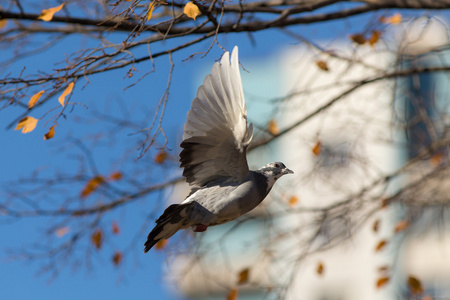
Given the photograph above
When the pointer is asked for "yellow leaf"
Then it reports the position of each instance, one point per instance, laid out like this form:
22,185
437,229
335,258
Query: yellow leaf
160,157
62,231
394,19
66,92
151,6
293,201
117,258
191,10
161,244
358,38
47,14
50,134
27,124
320,268
401,225
322,65
382,282
376,225
317,148
233,294
97,238
243,276
376,34
380,246
115,228
35,98
3,23
92,185
115,176
272,127
415,285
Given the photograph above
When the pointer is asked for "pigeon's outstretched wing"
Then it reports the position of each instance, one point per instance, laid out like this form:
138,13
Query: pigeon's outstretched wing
215,134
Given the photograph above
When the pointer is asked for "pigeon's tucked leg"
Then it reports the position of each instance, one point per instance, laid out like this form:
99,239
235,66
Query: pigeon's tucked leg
200,228
172,220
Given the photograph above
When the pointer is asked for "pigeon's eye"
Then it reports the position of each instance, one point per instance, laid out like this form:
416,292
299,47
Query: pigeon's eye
277,165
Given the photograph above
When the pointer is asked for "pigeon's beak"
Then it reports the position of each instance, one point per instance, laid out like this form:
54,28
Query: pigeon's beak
287,171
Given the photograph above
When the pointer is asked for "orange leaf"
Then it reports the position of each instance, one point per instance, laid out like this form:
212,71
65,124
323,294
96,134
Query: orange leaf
376,34
243,276
191,10
376,226
382,282
67,91
117,258
317,148
293,201
394,19
115,228
161,244
35,98
97,238
322,65
115,176
400,226
27,124
384,203
320,268
272,127
233,294
47,14
436,158
151,6
160,157
358,39
92,185
3,23
381,245
50,134
415,285
62,231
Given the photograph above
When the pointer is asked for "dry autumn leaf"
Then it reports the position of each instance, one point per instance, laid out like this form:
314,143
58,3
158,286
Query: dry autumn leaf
92,185
115,176
47,14
382,282
436,158
50,134
160,157
375,37
3,23
35,98
115,228
161,244
293,201
322,65
233,294
415,286
384,268
358,39
67,91
151,7
191,10
97,238
376,225
320,268
317,148
62,231
117,258
272,127
243,276
394,19
27,124
400,226
380,246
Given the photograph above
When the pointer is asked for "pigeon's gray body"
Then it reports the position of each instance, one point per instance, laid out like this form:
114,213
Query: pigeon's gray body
214,145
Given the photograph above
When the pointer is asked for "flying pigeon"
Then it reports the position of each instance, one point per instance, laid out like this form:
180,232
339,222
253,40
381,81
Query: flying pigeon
215,142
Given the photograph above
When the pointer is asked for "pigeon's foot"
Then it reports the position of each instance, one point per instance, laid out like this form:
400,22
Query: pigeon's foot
200,228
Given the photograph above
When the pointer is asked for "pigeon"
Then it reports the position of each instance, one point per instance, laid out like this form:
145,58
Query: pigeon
215,142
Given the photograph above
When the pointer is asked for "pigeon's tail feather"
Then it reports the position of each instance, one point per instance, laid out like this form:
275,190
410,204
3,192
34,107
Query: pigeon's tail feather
172,220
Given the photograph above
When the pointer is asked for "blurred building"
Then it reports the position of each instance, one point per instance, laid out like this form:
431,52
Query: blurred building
343,157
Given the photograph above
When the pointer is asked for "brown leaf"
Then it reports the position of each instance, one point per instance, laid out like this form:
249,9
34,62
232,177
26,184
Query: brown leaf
92,185
233,294
358,39
293,201
115,228
27,124
160,157
35,98
62,231
317,148
376,226
161,244
382,282
115,176
322,65
97,238
50,134
384,268
243,276
191,10
374,38
400,226
47,14
384,203
3,23
67,91
380,246
272,127
437,158
415,286
320,268
117,258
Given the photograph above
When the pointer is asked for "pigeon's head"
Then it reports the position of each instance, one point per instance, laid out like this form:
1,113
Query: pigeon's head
273,171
